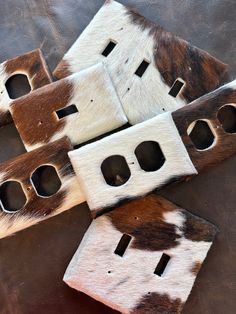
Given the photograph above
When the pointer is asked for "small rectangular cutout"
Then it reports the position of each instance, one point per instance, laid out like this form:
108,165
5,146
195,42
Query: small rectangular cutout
66,111
123,244
111,45
161,266
175,89
142,68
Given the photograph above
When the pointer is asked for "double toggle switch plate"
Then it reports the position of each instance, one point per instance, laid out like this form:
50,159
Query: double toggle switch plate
33,66
153,71
143,257
151,154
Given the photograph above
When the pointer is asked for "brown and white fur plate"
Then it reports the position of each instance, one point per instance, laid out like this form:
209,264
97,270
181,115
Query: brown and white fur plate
33,66
153,70
143,257
144,157
39,203
81,106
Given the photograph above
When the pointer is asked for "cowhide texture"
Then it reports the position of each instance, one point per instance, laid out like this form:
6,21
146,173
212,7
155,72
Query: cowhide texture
33,66
165,159
153,153
124,41
132,282
90,94
38,205
218,110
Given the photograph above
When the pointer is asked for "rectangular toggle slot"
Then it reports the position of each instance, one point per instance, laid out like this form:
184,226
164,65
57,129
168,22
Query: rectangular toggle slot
40,122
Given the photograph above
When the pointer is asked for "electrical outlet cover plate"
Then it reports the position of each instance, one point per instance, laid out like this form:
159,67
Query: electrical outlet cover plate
39,205
33,66
144,62
136,180
81,106
217,111
133,277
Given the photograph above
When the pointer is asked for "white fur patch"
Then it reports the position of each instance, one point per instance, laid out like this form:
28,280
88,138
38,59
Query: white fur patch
88,159
121,282
142,98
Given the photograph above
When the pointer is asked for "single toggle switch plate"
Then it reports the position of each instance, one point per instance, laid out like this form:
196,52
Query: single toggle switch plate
131,178
39,202
151,154
33,66
163,248
81,106
153,70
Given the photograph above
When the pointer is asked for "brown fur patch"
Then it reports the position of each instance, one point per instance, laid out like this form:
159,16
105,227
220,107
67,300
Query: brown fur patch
62,70
143,219
32,63
21,168
34,114
197,229
155,303
176,58
196,267
207,108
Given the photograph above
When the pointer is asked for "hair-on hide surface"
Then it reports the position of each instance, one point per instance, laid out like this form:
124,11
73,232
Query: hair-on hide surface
211,108
137,39
38,207
90,91
161,130
128,283
31,64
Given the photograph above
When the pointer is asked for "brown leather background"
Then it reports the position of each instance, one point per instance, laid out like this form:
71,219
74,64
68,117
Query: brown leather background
32,262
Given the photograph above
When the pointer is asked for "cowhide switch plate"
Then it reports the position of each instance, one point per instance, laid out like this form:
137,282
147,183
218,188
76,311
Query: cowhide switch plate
165,159
171,146
153,70
81,106
38,199
208,126
142,257
34,69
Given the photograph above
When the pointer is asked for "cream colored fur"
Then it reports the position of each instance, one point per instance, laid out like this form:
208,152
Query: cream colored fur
148,96
88,159
132,276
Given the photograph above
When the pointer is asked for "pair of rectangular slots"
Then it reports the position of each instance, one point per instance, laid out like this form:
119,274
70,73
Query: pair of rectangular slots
175,89
123,245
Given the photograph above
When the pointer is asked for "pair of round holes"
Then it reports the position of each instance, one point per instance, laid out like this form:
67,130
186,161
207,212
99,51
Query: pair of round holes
45,181
116,171
202,135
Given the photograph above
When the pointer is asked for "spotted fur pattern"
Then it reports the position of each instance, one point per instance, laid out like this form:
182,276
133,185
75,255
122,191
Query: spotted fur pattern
31,64
127,283
91,91
138,39
38,207
87,162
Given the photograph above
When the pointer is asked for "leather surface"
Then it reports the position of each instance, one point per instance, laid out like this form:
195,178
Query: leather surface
32,262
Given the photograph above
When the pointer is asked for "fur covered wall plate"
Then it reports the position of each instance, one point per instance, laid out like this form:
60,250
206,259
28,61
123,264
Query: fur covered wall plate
38,203
142,257
133,177
153,70
81,106
135,161
33,66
